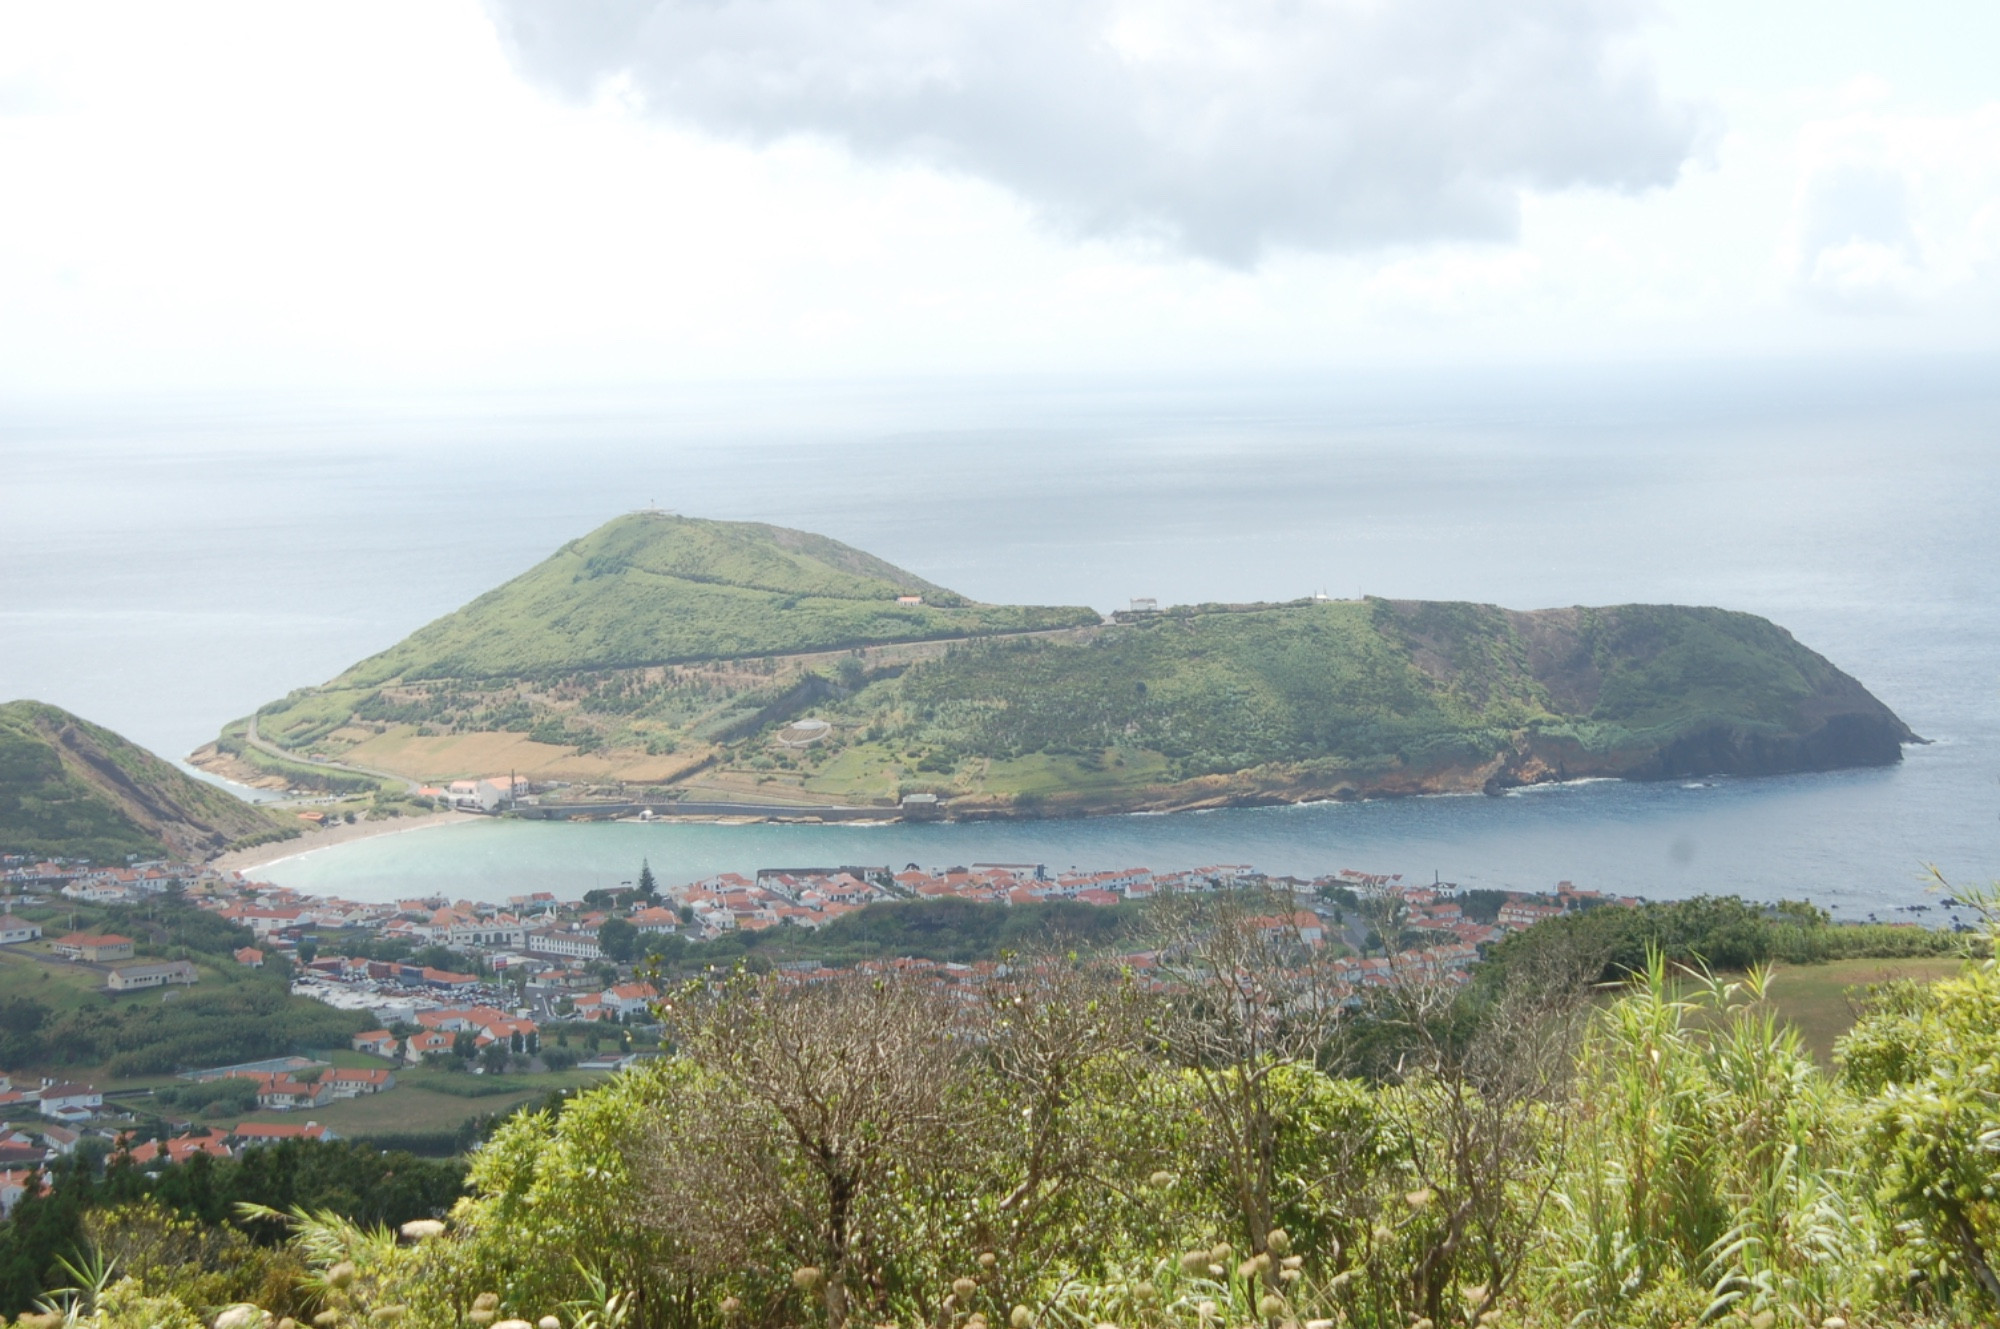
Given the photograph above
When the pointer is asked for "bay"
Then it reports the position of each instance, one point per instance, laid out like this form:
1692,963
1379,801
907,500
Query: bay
168,565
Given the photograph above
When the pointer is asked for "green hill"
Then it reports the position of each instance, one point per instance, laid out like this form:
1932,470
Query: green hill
747,662
652,588
74,789
1335,699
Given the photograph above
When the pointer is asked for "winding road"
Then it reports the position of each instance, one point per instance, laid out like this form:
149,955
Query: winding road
263,745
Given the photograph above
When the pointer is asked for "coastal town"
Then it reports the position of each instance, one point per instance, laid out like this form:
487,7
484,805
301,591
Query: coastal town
536,983
539,956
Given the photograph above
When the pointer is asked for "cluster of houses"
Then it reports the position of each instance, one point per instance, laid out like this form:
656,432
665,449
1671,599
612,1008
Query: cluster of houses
218,1142
24,1161
814,897
285,1084
86,883
57,1100
25,1156
67,1111
548,950
545,953
439,1030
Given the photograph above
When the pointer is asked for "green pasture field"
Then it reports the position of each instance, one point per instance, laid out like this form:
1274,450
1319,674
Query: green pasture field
413,1108
1822,1000
30,969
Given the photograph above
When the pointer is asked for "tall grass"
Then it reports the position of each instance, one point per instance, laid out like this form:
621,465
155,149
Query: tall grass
1714,1173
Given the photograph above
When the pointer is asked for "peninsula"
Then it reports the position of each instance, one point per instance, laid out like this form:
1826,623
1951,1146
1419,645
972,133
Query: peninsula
669,657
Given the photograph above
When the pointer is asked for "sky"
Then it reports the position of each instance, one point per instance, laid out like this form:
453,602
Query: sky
568,193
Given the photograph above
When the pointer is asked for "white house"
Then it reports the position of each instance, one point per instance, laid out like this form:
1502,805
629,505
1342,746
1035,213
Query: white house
575,945
69,1102
380,1042
348,1083
13,929
488,795
627,998
487,932
281,1093
14,1184
656,918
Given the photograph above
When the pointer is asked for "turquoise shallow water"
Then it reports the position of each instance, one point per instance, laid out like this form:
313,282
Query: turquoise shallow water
1764,838
167,566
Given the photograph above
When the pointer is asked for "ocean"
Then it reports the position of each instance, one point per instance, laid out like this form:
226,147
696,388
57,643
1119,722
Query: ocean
168,565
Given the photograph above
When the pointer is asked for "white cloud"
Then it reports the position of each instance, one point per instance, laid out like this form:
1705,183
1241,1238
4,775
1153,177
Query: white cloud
1894,212
1454,282
1224,127
367,193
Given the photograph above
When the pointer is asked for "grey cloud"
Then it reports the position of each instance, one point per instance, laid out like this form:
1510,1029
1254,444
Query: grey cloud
1225,127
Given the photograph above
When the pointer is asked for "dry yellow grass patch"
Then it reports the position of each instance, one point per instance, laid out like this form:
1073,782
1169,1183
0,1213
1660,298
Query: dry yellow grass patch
461,756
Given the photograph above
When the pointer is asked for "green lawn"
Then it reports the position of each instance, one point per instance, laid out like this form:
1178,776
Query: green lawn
31,969
409,1107
1820,998
1118,769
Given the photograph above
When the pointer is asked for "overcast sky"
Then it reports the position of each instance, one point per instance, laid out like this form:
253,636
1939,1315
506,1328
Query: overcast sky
561,193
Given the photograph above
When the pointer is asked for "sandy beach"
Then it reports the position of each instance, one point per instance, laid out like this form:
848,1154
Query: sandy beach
263,855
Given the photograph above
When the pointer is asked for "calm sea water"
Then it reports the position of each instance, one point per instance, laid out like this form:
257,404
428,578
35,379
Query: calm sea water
166,566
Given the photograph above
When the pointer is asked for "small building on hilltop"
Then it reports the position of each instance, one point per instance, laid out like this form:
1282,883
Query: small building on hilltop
93,949
16,929
133,977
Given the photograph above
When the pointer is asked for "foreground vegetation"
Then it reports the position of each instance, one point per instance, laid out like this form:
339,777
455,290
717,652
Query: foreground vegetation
1218,1139
186,1226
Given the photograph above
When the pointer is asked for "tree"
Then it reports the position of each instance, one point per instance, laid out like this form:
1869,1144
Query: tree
1483,1120
494,1056
648,888
1052,1024
617,939
813,1099
1249,999
464,1044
